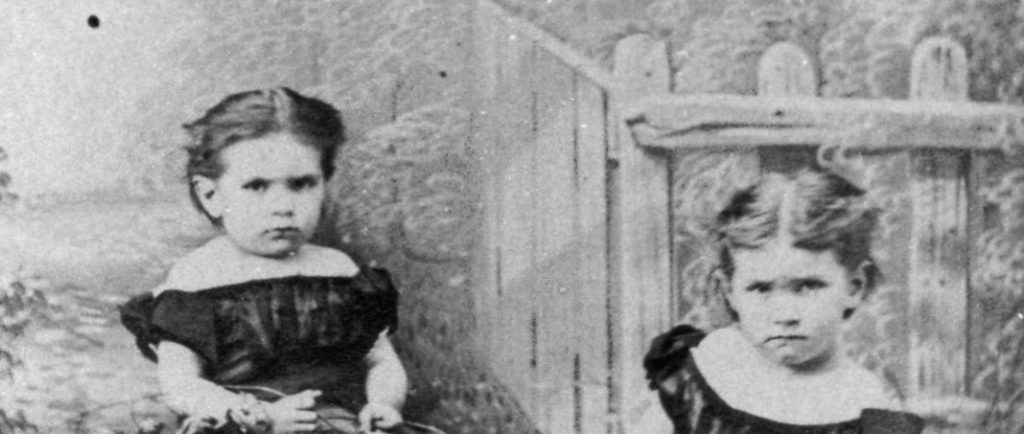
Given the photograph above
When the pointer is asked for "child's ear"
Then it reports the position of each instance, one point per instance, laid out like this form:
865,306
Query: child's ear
206,190
860,285
719,281
722,291
861,279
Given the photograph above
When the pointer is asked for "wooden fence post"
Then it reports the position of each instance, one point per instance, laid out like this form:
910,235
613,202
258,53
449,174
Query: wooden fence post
591,302
939,238
556,256
785,69
514,348
486,28
640,249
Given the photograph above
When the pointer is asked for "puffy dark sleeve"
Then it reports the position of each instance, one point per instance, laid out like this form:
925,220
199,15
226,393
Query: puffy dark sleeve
665,362
877,421
136,316
669,351
176,316
383,313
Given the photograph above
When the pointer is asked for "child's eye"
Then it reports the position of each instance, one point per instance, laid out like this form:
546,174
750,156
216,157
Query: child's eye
303,183
760,287
810,285
256,185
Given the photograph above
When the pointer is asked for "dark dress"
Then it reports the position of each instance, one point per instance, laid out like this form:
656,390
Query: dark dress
287,334
695,408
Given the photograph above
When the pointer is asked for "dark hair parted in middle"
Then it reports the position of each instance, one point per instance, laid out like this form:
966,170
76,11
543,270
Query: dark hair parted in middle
255,114
817,210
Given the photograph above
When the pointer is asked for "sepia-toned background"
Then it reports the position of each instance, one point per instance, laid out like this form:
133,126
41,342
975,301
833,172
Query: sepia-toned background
93,208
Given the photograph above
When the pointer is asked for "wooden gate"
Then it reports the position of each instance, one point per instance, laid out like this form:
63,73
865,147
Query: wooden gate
596,190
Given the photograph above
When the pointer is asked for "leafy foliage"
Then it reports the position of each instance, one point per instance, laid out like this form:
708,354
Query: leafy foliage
1000,285
16,423
990,31
30,304
702,184
863,46
6,195
405,188
722,51
21,301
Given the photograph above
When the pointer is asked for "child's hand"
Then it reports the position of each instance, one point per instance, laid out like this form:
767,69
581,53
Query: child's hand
376,417
292,414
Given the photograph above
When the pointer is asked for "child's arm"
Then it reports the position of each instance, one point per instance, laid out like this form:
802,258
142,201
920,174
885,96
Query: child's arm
386,387
180,373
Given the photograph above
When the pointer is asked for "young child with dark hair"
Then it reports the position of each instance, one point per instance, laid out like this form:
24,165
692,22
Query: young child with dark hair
257,330
795,263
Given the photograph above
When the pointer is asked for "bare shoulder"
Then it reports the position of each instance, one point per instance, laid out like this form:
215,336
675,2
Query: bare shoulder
328,261
217,263
868,389
194,270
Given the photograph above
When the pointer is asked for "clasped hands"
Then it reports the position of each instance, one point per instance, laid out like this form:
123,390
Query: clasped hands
294,414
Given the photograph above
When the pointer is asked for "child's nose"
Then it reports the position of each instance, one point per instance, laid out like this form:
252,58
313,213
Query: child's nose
281,201
785,309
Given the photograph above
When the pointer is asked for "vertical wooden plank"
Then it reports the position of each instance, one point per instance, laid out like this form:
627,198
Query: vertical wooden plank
938,70
557,256
514,129
590,310
505,325
484,138
996,333
785,69
939,243
639,236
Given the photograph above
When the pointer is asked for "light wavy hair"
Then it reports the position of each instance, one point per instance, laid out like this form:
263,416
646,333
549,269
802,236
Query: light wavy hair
813,209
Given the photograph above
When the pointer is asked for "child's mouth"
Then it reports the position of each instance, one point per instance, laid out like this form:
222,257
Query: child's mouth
786,338
283,232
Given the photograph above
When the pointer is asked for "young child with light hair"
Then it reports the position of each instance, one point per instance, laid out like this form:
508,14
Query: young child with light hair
795,263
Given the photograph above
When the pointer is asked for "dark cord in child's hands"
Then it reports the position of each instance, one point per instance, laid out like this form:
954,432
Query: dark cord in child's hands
319,417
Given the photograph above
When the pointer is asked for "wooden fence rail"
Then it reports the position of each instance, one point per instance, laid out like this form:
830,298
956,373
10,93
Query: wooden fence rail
592,181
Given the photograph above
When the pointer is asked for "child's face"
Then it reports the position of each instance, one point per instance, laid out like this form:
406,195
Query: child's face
791,301
270,194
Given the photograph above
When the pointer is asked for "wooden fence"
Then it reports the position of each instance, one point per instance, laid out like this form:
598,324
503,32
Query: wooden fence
589,250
